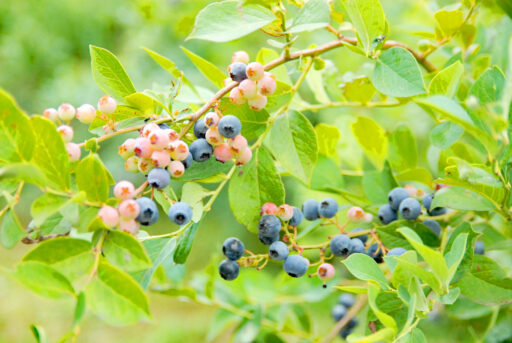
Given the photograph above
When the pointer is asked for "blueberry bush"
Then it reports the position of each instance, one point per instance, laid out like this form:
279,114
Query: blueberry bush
406,228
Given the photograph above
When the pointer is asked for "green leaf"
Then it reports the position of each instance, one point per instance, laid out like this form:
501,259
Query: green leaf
360,89
185,244
26,172
489,87
52,157
11,231
293,142
46,205
257,183
43,279
445,134
193,194
313,15
16,134
447,80
391,237
449,22
39,333
109,74
70,256
377,184
415,336
506,6
208,69
406,267
116,297
201,172
326,175
402,149
141,101
397,74
372,138
465,264
456,253
93,178
365,268
328,137
460,198
486,283
253,122
316,84
179,292
159,250
79,309
227,20
421,175
125,251
369,20
373,292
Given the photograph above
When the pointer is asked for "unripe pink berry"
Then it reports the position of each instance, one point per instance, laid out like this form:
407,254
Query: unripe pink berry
238,144
51,113
258,102
211,119
179,150
248,88
107,104
159,139
255,71
66,112
109,216
176,169
358,215
66,132
129,209
143,147
73,151
223,153
326,272
160,158
144,165
132,164
240,56
124,190
173,135
285,212
244,157
213,136
148,128
236,97
86,113
126,149
131,226
268,208
267,85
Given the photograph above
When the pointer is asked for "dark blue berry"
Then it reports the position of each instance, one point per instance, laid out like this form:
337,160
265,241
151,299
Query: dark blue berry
268,240
410,209
233,248
363,238
269,225
387,214
201,150
346,299
296,265
328,208
297,217
278,251
341,245
229,126
339,311
396,252
357,246
148,214
237,71
310,209
229,270
180,213
479,248
396,196
427,201
159,178
375,252
433,225
200,128
188,161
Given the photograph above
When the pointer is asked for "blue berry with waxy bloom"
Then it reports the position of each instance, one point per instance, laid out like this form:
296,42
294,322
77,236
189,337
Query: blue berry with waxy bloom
233,248
296,265
357,246
269,225
268,240
427,202
201,150
187,162
396,196
363,238
159,178
339,311
148,213
229,126
229,270
396,252
180,213
433,225
346,299
296,217
387,214
237,71
347,330
341,245
328,208
310,209
278,251
200,128
479,248
375,252
410,209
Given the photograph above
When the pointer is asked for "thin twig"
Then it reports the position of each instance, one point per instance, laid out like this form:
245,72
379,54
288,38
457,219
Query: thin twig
354,310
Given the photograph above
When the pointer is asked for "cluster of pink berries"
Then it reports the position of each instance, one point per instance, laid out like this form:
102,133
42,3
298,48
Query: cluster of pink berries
357,215
86,114
255,83
123,217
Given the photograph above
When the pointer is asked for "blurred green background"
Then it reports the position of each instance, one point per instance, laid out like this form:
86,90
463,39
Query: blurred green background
44,61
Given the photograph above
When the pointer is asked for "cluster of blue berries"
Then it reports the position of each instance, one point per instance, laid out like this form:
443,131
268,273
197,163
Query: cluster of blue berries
233,249
345,302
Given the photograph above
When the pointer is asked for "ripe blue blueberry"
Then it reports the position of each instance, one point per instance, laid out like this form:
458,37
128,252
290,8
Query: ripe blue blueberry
387,214
269,225
278,251
410,209
328,208
229,270
268,240
346,299
396,252
347,330
296,218
363,238
233,248
237,71
427,201
339,311
201,150
200,128
296,265
159,178
310,209
229,126
148,214
357,246
375,252
396,196
187,162
341,245
433,225
163,126
479,248
180,213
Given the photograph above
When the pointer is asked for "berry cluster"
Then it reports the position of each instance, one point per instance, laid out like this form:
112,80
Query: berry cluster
345,302
86,113
255,84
